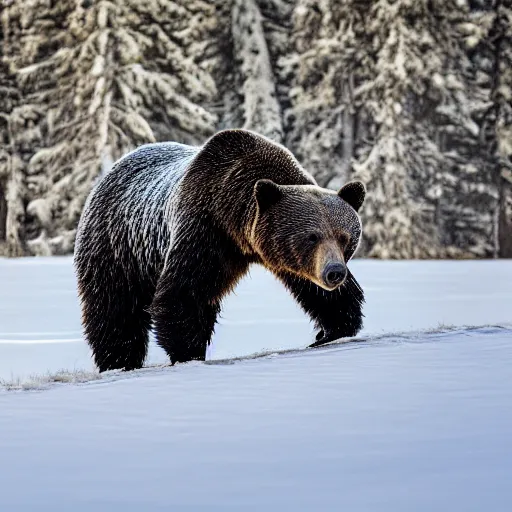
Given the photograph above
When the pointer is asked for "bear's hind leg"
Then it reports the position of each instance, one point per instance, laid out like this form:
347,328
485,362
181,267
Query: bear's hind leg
115,320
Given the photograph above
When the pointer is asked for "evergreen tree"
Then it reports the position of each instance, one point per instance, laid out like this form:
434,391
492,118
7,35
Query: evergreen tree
113,77
325,64
412,96
502,98
421,98
17,129
260,109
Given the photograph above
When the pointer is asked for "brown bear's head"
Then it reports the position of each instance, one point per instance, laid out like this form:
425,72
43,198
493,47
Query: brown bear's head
307,230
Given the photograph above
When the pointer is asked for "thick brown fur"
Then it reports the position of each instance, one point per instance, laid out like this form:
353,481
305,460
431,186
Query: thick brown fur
171,229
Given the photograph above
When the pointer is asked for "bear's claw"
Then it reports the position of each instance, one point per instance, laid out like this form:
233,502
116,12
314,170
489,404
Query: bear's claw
323,337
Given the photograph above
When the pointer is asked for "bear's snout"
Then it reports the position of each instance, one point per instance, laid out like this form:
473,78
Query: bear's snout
334,274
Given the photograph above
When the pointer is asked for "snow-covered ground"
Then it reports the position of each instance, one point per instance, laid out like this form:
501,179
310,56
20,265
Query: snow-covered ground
40,316
420,421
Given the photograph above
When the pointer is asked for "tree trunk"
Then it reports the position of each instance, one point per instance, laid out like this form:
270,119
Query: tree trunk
3,214
261,111
505,218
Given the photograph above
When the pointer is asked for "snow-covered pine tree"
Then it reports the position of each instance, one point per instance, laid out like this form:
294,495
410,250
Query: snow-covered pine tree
8,100
502,98
259,108
325,63
413,96
11,206
422,98
276,18
488,39
28,35
7,91
20,26
116,75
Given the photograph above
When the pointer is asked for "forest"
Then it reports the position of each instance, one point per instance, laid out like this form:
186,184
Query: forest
413,97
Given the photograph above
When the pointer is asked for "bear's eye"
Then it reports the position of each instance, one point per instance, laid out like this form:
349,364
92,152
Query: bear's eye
344,239
313,238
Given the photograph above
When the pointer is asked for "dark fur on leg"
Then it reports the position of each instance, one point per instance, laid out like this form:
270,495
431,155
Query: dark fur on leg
185,310
184,323
115,319
338,314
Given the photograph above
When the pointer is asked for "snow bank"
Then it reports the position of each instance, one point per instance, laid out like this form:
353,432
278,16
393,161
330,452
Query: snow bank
417,425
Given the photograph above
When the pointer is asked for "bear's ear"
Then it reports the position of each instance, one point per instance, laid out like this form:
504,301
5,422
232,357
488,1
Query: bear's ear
267,193
353,193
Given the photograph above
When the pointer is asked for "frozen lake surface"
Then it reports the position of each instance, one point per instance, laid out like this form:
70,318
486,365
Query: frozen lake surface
419,421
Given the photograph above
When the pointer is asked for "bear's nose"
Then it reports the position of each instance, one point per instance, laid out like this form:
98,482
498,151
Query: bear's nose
334,274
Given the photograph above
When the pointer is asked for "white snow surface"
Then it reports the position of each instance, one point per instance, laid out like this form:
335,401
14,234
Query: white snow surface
40,327
419,421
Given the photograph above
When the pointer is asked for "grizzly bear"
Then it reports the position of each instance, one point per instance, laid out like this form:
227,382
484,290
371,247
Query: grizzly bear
169,231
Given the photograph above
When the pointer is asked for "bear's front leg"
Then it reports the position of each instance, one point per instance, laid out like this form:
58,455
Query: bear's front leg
338,313
183,322
189,291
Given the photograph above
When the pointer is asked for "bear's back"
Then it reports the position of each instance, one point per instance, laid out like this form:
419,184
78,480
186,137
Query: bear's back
132,204
159,163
